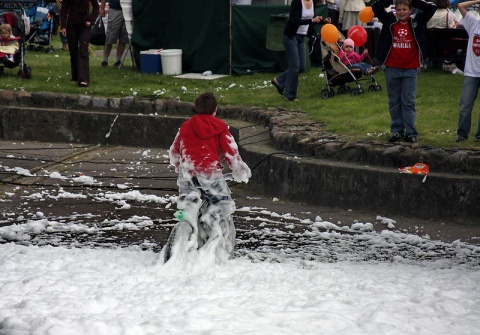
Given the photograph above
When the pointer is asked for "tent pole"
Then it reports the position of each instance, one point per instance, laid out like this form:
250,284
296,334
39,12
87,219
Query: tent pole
230,42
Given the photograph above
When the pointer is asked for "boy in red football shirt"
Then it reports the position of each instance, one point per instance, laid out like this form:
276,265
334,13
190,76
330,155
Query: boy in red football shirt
196,153
402,49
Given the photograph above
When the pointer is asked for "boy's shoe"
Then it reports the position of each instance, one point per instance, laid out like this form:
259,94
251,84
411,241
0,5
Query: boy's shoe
461,139
117,63
277,86
395,136
104,63
411,139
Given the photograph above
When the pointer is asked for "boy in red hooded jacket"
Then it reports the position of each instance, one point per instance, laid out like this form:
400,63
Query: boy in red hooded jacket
196,154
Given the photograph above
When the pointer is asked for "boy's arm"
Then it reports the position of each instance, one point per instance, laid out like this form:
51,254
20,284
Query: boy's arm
379,8
427,7
174,153
240,170
462,6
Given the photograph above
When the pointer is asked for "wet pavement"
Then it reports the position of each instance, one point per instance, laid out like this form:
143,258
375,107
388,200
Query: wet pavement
111,196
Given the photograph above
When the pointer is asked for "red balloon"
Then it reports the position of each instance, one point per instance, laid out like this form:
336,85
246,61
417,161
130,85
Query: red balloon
358,34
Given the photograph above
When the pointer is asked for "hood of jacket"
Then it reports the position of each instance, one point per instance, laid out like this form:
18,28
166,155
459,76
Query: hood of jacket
206,125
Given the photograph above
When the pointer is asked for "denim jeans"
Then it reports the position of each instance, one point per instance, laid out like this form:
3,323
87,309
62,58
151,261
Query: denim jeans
295,51
360,65
401,88
469,94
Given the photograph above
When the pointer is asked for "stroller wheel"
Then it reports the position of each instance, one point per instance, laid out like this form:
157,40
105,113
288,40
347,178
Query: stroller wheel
356,92
325,93
28,72
21,74
371,88
342,90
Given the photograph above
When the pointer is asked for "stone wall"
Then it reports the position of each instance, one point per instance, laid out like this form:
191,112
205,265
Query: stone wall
290,131
290,156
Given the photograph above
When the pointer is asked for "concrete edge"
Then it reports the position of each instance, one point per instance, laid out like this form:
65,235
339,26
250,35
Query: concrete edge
324,170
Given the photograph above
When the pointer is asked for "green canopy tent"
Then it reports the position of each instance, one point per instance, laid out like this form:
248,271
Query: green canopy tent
212,34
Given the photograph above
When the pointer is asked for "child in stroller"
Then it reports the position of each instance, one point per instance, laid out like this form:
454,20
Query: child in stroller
338,74
352,59
8,44
12,47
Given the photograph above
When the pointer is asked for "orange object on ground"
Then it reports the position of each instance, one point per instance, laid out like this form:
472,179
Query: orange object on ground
418,168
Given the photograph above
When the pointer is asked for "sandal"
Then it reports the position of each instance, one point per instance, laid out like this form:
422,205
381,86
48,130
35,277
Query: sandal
277,86
83,84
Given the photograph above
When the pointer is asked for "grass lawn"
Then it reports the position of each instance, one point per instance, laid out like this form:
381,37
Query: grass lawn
363,117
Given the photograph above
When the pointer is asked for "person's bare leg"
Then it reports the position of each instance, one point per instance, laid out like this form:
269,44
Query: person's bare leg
107,49
120,50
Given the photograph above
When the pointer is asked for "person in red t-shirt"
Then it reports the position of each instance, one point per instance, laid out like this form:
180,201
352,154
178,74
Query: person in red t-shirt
196,153
402,50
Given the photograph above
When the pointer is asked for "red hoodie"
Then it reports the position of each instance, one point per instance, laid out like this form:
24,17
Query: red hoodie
200,143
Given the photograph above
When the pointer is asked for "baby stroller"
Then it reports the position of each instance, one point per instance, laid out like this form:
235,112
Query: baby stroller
15,20
41,28
336,73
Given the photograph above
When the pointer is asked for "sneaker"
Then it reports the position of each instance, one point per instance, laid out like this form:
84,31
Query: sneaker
395,136
411,139
277,86
371,70
104,63
117,63
457,71
461,139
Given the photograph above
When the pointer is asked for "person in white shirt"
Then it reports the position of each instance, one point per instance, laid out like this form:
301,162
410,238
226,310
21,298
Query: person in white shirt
471,82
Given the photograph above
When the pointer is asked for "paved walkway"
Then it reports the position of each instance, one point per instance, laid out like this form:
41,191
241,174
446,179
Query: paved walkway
27,186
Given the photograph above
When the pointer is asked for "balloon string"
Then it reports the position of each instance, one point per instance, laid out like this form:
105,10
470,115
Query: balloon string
370,58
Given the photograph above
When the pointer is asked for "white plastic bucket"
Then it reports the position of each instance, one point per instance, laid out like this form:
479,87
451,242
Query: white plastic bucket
171,61
127,11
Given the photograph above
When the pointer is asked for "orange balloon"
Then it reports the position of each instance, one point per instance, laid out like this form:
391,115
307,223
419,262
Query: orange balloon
366,15
329,33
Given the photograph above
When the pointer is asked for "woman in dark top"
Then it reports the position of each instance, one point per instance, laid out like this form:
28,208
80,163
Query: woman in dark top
300,24
76,17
